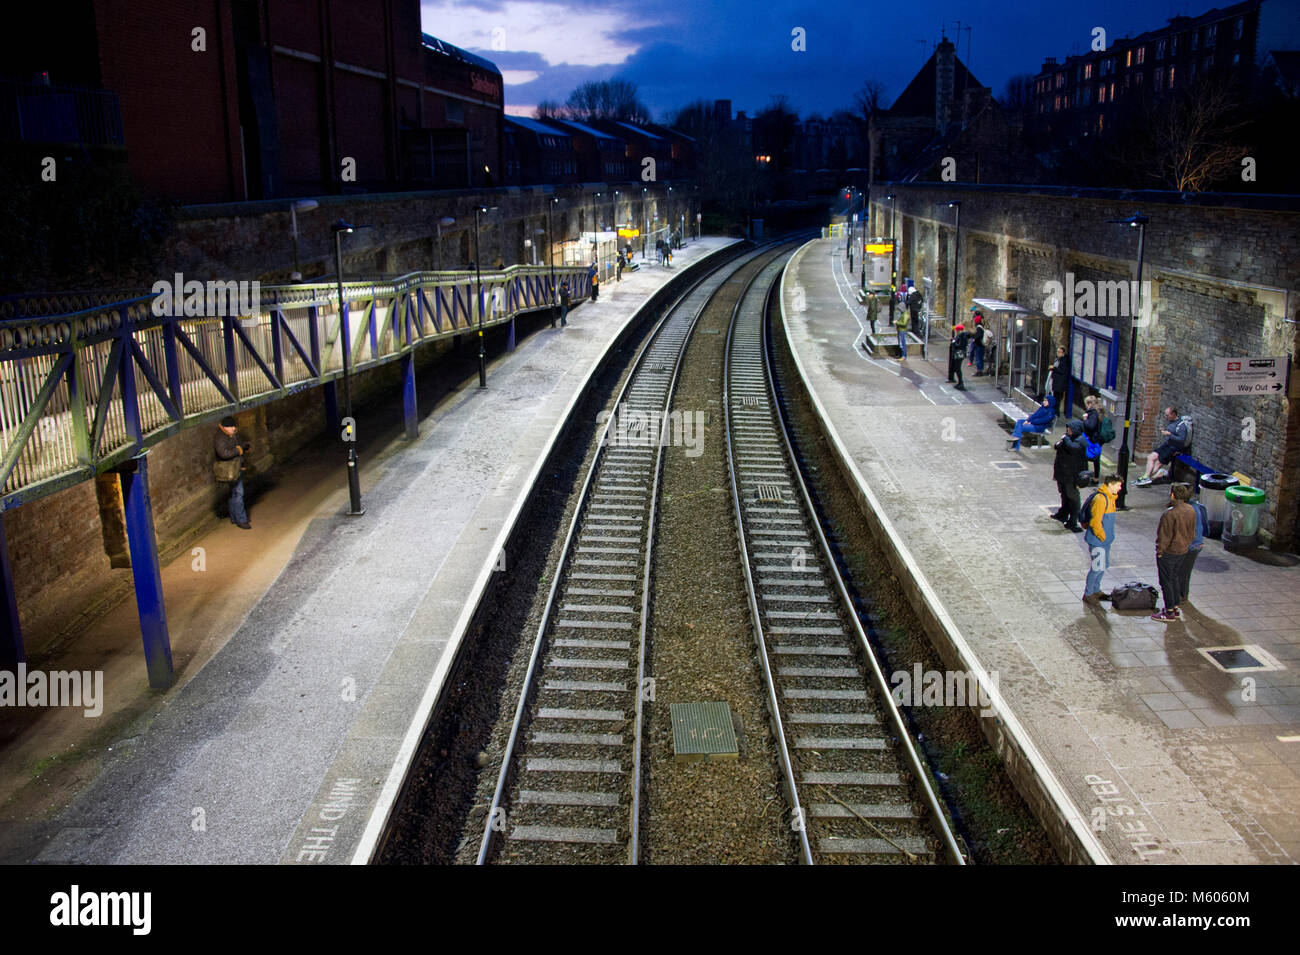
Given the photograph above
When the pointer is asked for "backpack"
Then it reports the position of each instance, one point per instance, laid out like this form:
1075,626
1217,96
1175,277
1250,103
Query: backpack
1105,431
1187,420
1094,449
1085,512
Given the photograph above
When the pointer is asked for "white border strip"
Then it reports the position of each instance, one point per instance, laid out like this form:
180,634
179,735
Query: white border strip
419,723
1011,724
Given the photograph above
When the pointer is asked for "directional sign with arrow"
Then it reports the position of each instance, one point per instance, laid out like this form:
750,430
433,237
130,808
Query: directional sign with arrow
1249,376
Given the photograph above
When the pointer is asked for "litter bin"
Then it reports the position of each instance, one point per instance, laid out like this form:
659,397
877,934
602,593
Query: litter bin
1242,526
1216,505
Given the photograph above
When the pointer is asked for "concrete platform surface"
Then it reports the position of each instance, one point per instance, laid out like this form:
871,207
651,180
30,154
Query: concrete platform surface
281,745
1152,753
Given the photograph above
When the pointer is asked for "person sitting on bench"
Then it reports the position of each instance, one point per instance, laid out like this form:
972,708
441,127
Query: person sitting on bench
1036,423
1175,443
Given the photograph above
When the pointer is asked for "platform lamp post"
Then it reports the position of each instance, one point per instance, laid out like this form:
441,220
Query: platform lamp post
478,294
614,223
595,243
893,259
444,221
354,477
644,224
295,207
1139,222
955,205
550,254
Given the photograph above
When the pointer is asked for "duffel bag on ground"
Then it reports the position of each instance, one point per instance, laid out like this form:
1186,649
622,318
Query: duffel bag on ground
1134,595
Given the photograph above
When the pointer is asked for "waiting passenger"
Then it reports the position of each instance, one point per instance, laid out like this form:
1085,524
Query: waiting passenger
1071,459
1036,423
1175,443
229,468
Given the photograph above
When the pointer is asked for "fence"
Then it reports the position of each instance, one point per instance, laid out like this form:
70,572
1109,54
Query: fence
83,390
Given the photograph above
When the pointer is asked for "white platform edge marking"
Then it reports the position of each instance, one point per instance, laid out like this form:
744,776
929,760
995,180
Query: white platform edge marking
415,732
999,705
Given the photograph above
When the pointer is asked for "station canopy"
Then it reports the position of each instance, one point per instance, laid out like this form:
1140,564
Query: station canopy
997,305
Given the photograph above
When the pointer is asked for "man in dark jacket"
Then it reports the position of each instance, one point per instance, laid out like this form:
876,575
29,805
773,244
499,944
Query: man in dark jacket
1175,533
957,354
1060,379
1071,458
227,447
914,301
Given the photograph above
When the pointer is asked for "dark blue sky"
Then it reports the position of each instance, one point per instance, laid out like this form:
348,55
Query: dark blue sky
741,49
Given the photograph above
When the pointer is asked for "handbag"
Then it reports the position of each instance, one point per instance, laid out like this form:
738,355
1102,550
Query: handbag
1134,595
1083,479
226,471
1094,449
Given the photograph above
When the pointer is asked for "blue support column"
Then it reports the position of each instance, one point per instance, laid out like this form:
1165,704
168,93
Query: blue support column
146,572
510,337
11,634
332,424
409,406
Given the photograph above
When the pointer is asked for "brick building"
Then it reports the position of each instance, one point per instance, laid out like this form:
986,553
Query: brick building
254,99
1079,95
1224,274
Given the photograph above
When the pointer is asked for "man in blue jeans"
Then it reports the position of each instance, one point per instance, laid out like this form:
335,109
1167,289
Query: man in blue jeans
1036,423
227,447
1098,520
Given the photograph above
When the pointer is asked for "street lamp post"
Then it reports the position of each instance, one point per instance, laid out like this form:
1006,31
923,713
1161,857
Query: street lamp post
893,259
1140,223
956,256
644,224
354,479
595,242
295,207
550,252
478,281
445,220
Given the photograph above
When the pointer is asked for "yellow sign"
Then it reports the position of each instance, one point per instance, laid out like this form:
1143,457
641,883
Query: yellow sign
879,248
629,233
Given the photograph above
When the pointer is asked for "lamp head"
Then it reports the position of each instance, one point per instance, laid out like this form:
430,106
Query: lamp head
305,205
446,220
342,226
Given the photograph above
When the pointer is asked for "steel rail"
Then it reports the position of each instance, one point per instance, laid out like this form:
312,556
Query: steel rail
774,709
495,825
938,817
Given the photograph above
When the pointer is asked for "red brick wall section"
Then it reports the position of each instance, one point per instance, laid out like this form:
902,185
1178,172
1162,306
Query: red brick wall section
179,108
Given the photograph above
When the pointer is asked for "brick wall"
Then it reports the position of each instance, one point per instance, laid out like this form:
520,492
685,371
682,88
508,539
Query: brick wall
1218,274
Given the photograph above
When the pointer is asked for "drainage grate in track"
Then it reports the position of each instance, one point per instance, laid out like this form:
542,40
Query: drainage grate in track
1009,465
1245,658
769,493
749,401
703,731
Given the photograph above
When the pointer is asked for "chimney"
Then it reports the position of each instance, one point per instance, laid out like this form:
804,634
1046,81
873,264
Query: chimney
1049,64
944,59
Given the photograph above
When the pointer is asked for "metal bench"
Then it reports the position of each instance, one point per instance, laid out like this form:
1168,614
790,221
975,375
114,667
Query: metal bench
1013,413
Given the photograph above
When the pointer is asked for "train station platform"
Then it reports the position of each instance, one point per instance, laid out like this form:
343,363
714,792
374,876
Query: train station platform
1131,740
317,643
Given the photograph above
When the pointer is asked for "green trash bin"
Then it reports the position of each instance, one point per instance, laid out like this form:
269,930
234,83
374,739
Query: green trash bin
1241,529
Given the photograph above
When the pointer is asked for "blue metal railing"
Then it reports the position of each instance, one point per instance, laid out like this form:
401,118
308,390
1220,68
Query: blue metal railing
32,111
84,390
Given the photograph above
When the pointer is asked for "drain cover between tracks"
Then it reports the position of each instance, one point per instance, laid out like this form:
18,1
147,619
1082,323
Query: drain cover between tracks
770,493
703,731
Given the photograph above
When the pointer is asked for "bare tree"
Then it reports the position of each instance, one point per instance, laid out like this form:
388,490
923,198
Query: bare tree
548,109
869,99
1192,139
607,99
1017,95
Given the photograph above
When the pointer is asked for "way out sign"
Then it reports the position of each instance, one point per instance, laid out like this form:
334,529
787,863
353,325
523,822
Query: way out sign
1250,376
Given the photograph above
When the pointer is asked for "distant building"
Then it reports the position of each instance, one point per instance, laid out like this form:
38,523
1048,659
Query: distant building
538,153
942,96
1079,95
601,155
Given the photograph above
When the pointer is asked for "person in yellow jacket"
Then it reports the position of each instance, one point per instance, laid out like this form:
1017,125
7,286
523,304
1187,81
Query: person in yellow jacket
1098,517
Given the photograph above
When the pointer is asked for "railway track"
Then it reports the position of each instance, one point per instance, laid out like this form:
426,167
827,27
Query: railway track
570,780
859,790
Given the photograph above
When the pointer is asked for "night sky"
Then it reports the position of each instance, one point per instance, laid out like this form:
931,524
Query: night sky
741,49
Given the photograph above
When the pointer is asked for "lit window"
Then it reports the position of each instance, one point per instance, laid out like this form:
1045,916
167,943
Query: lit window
1112,92
1128,58
1141,55
1171,77
1087,71
1101,93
